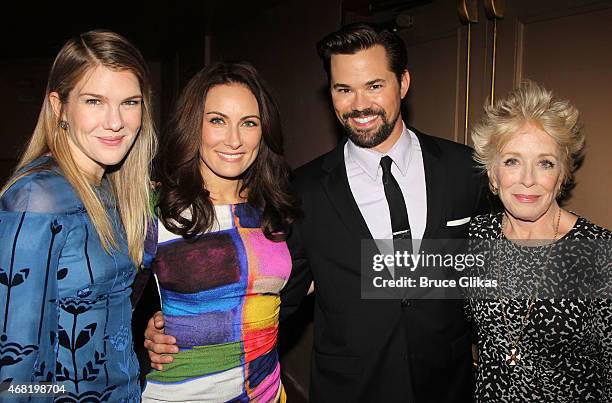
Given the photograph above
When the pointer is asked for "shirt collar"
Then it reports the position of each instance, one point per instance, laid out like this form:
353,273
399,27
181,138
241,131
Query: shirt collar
369,159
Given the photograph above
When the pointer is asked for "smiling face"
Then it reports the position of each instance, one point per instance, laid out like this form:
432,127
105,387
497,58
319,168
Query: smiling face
104,114
367,97
231,132
528,174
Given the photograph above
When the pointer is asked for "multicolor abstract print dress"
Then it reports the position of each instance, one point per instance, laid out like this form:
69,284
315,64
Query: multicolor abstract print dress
65,312
220,299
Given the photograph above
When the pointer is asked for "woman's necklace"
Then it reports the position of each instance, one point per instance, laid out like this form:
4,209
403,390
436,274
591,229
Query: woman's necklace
513,355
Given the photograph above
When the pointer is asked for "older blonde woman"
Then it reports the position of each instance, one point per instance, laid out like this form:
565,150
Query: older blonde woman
73,223
531,348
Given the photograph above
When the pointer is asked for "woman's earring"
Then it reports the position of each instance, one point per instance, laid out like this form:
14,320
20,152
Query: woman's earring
493,189
559,192
63,125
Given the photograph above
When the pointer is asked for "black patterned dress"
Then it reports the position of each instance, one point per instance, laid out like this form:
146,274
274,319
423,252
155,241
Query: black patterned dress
565,346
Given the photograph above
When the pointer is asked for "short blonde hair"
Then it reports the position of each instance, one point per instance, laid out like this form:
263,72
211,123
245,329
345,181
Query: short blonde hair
530,103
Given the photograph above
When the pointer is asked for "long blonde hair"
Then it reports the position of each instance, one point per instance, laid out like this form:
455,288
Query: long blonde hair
130,183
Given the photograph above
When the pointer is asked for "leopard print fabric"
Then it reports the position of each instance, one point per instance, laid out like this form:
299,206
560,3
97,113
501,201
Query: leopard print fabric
566,345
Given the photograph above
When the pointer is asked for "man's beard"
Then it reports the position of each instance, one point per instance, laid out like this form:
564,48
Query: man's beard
368,138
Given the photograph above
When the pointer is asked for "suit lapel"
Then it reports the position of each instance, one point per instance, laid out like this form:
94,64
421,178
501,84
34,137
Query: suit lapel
337,188
435,182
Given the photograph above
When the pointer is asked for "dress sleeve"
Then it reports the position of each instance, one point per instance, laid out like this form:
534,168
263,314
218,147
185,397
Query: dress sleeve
150,251
297,286
603,315
603,330
30,247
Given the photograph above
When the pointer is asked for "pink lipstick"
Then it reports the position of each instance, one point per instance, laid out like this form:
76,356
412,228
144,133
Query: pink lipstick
111,141
526,198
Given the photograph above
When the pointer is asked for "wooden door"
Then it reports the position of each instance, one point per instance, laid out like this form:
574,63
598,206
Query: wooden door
567,47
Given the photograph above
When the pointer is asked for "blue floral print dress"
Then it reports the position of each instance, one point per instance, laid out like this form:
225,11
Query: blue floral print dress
65,312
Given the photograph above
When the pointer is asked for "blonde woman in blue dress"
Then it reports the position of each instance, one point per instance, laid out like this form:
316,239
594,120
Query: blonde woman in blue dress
73,223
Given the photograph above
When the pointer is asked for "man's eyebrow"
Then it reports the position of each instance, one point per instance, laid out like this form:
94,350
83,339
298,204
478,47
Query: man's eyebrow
340,85
375,81
367,84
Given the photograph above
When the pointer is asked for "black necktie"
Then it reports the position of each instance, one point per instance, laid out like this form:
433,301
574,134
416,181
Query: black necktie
395,199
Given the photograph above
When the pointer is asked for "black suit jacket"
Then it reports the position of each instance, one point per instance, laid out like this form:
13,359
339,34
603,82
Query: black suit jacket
380,350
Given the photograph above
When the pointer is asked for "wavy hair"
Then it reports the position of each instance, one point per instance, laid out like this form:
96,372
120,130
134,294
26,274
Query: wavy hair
359,36
265,182
530,103
130,181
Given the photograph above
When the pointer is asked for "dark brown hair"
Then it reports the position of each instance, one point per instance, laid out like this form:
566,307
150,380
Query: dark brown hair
353,38
266,181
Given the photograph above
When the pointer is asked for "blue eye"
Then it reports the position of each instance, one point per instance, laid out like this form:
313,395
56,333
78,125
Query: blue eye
510,162
547,164
216,121
93,101
250,123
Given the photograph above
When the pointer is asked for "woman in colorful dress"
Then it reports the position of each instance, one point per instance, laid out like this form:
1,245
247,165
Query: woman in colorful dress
220,258
73,222
545,333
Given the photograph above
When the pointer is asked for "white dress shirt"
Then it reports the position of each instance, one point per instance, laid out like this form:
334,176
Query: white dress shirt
365,180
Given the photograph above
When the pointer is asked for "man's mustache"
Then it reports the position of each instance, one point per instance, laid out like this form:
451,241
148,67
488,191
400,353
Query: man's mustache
362,113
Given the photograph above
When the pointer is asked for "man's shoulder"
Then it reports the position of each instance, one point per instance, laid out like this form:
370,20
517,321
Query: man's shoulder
446,148
311,167
311,172
456,162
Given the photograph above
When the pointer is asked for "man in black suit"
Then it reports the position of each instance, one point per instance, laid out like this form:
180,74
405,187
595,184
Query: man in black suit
377,350
367,350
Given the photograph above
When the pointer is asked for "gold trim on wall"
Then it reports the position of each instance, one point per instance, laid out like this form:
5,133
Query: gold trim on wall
468,14
468,11
493,62
495,10
467,82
